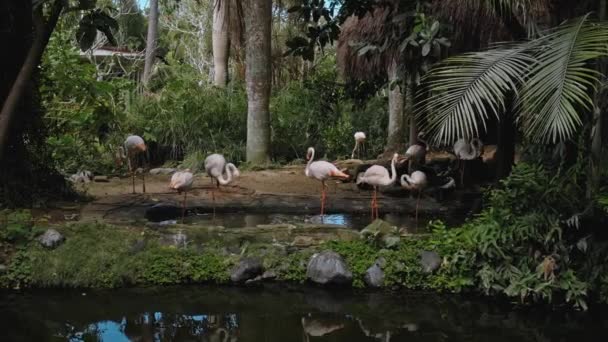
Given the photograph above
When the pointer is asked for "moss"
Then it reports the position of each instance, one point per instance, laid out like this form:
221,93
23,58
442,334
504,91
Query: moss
105,256
102,256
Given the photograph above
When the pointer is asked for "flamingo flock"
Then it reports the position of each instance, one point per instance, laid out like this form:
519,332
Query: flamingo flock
222,173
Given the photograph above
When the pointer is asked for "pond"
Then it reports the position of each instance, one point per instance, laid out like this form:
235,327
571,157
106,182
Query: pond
353,221
281,314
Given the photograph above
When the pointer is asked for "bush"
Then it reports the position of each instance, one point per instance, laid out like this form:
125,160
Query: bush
83,111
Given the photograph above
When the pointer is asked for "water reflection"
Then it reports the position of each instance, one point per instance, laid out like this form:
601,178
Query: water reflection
281,314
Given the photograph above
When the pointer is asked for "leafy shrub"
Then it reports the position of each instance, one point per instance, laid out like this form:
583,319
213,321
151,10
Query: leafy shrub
529,238
17,226
82,109
191,117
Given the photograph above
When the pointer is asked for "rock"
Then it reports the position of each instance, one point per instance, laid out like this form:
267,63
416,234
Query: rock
101,179
248,268
382,231
3,269
374,276
269,275
430,261
303,241
328,268
178,240
51,238
162,171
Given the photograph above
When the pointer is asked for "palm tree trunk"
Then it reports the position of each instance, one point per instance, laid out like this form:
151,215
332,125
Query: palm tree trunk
221,42
258,75
151,40
395,137
409,108
43,31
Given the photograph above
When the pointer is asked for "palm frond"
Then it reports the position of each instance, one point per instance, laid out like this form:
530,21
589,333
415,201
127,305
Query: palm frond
464,91
562,81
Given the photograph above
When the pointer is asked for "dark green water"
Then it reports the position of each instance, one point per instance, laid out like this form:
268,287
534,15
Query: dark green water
280,314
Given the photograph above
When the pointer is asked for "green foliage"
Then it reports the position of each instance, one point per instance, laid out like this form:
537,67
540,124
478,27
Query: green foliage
101,256
293,267
529,238
17,226
189,117
82,109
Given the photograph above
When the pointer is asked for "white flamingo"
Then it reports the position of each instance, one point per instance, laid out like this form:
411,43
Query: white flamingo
182,182
322,171
465,150
417,181
134,145
216,167
376,176
416,153
359,141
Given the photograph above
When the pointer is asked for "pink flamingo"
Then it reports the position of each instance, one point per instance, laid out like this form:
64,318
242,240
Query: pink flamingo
417,181
133,146
321,171
359,141
376,176
182,182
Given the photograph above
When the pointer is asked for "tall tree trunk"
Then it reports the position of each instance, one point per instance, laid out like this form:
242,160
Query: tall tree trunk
409,109
151,41
43,31
221,42
596,132
395,139
258,75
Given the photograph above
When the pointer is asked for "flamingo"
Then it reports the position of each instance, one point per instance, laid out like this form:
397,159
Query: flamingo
417,181
376,176
182,182
416,153
321,171
215,166
359,141
134,145
464,151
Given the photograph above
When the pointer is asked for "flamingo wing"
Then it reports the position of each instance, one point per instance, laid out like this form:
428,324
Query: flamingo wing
214,165
375,175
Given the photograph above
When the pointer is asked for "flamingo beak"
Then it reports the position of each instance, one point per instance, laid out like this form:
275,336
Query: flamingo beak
401,160
142,147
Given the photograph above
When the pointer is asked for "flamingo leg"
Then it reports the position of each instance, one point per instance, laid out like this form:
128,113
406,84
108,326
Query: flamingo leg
184,206
323,196
462,165
133,180
376,206
417,202
143,177
213,198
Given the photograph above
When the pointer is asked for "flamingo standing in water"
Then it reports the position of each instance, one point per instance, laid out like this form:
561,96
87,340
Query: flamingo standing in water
359,141
182,182
376,176
417,181
134,146
321,171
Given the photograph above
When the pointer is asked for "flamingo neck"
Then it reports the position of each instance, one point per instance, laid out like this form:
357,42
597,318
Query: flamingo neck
394,172
226,180
312,156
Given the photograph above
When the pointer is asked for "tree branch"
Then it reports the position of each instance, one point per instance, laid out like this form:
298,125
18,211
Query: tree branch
43,31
